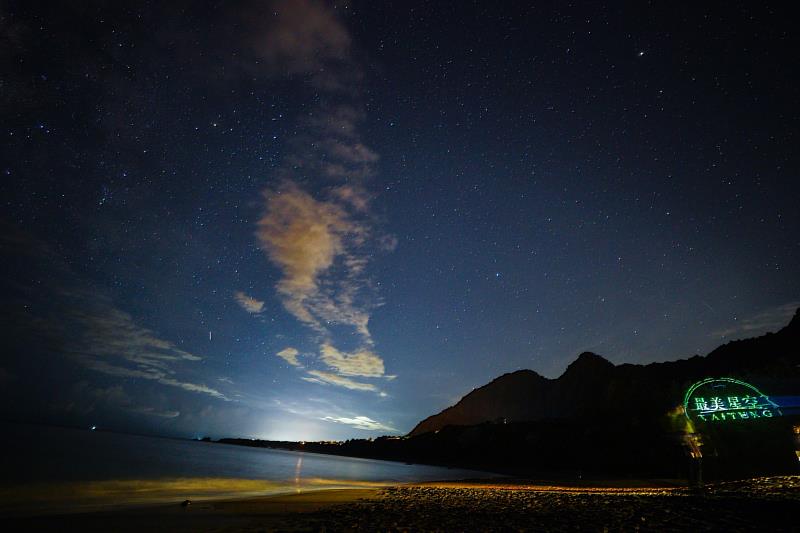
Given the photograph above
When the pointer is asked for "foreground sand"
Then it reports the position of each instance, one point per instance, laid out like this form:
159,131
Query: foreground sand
764,504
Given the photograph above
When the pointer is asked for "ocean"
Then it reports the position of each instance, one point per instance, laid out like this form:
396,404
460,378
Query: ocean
50,469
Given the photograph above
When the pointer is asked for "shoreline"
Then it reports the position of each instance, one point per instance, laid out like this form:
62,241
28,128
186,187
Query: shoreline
121,496
234,514
469,504
106,496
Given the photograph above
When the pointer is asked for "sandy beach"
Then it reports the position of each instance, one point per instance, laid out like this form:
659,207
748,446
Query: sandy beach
752,505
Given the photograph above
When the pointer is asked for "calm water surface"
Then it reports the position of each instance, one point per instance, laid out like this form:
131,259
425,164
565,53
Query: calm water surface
45,468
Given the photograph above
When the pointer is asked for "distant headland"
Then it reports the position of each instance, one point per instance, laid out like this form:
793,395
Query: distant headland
605,419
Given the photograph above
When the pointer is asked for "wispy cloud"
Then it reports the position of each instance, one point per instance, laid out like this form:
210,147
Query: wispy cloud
768,320
302,38
113,333
74,318
360,422
248,303
322,237
152,411
318,376
115,396
290,356
114,344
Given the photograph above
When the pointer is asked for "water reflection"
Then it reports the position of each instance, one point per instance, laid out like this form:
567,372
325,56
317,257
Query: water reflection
82,496
297,470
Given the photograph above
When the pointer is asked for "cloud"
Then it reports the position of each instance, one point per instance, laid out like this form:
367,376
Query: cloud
355,196
321,238
339,121
351,152
151,411
302,237
116,396
149,373
70,316
315,244
302,37
362,362
248,303
290,356
115,345
769,320
114,332
318,376
387,243
360,422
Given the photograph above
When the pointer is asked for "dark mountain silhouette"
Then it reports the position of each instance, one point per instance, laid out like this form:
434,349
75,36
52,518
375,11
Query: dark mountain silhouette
592,386
601,419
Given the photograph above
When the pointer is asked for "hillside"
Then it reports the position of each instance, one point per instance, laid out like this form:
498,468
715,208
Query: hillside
593,386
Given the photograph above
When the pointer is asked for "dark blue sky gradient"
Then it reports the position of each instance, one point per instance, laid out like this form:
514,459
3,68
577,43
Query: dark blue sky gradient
535,182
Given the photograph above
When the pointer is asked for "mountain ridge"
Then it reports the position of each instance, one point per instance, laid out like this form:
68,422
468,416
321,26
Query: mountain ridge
592,385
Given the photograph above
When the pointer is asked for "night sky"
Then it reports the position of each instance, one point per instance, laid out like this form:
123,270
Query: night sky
302,220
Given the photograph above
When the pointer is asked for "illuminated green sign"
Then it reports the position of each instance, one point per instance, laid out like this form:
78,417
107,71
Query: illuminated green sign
726,399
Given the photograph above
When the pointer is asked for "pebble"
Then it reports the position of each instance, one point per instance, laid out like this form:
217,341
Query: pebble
739,506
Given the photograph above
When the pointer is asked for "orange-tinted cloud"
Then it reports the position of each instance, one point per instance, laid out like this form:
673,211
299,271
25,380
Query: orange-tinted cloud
248,303
361,362
303,237
319,240
290,356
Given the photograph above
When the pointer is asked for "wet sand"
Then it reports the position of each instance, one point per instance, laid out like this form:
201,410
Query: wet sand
266,513
752,505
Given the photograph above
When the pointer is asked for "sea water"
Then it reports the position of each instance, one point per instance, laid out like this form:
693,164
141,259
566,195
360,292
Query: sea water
48,468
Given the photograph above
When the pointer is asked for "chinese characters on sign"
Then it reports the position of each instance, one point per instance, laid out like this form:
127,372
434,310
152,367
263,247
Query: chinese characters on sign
720,399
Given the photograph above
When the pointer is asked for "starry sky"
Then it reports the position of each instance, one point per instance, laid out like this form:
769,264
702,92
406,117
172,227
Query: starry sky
307,220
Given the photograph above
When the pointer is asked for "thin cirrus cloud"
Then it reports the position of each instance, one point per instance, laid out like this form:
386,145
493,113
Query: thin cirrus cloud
80,320
768,320
154,412
336,414
329,378
248,303
360,422
115,345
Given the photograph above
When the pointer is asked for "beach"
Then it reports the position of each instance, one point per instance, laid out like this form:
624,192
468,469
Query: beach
751,505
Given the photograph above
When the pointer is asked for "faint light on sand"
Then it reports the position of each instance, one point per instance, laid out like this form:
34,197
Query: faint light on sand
42,498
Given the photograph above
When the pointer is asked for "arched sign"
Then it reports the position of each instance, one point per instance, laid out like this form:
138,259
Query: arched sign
726,399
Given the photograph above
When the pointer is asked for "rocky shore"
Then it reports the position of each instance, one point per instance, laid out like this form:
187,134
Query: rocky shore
764,504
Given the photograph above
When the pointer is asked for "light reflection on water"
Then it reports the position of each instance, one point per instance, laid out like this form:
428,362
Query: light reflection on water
297,472
47,468
80,496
